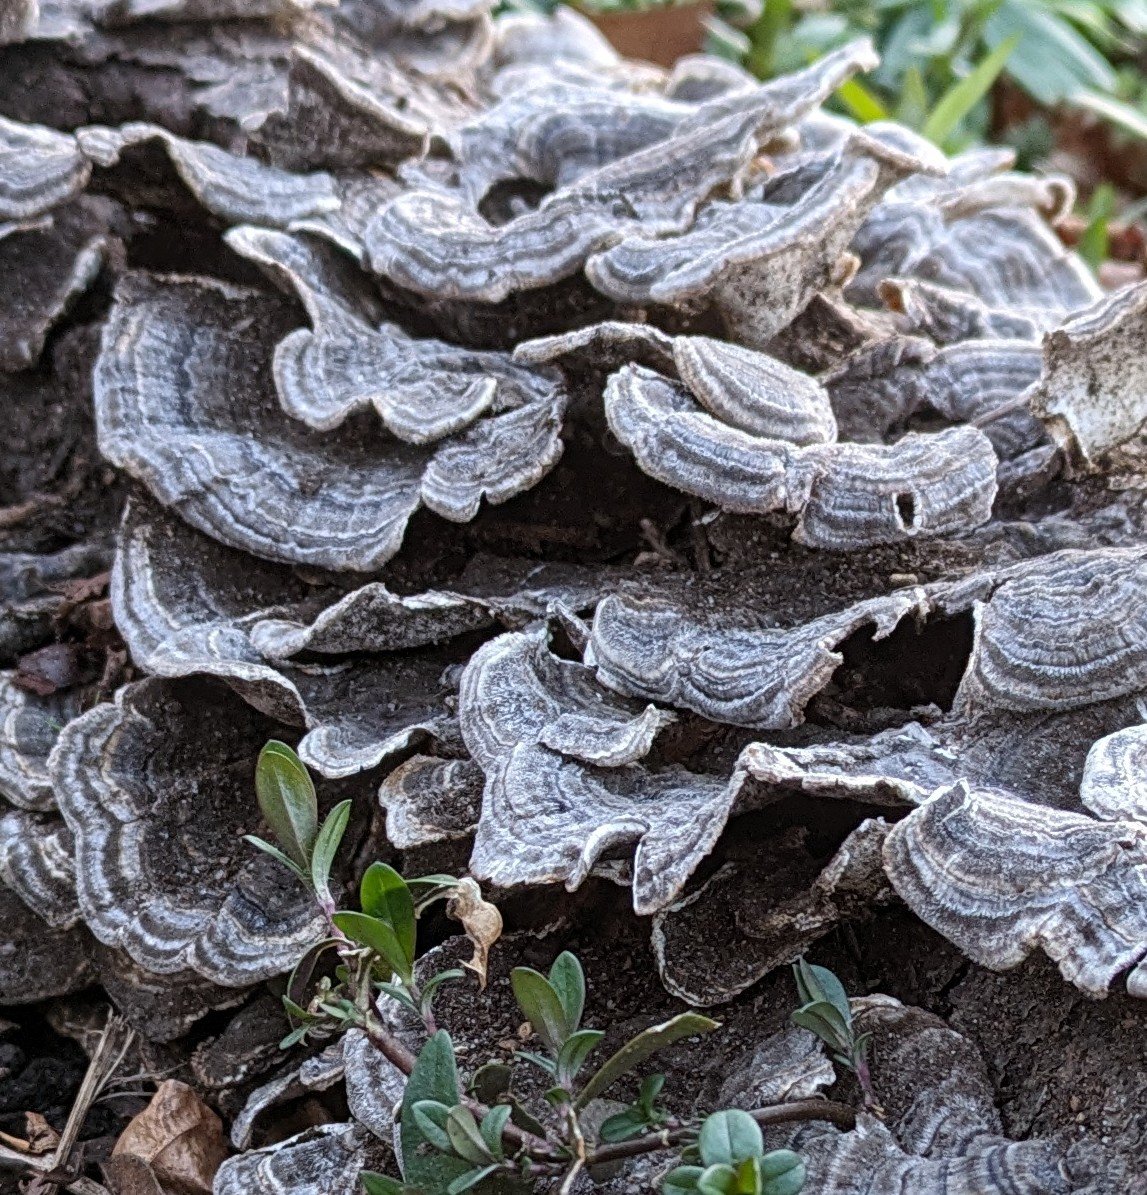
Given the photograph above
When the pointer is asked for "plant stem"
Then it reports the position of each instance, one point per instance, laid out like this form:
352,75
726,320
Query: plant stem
840,1115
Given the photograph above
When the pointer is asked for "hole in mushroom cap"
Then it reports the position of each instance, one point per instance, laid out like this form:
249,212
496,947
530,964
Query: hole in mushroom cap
510,198
906,509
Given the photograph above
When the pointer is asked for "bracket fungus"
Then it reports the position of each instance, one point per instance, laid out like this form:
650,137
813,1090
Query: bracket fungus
710,523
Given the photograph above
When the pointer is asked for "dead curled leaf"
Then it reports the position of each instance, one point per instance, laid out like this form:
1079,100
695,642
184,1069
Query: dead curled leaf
178,1138
481,921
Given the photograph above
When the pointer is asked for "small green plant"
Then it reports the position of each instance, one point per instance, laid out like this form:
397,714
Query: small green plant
732,1161
483,1139
825,1010
939,60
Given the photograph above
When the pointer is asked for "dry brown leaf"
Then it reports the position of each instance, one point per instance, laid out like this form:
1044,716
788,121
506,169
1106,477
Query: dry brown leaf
42,1138
481,921
179,1138
129,1175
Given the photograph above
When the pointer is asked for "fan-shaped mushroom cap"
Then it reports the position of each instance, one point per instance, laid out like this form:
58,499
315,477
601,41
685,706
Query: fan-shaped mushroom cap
846,495
603,346
790,1065
431,800
948,316
1061,632
237,189
186,605
773,252
1114,784
56,260
218,447
1006,256
325,1160
29,726
760,678
30,582
423,390
1000,877
979,381
181,405
1093,391
554,134
550,39
942,1131
36,863
437,244
340,114
515,691
161,867
39,169
162,1008
546,818
754,392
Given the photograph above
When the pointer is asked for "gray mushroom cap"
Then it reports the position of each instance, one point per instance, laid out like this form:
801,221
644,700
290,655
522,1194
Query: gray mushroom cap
1001,877
39,169
177,891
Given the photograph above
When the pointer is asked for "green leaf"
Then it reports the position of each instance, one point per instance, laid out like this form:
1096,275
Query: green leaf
568,981
556,1096
397,992
376,935
729,1137
431,1117
1129,119
540,1061
682,1181
829,1014
525,1121
297,1011
783,1173
466,1137
469,1180
575,1051
964,95
436,981
623,1125
1051,61
862,104
1093,241
490,1081
821,984
651,1087
540,1005
718,1180
912,107
823,1020
384,894
327,844
294,1037
434,1077
268,849
380,1184
643,1046
492,1126
287,801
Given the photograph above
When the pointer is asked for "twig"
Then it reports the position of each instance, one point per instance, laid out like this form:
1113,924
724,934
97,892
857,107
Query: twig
108,1054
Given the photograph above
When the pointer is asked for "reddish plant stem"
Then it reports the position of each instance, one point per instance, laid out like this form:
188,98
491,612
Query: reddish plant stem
840,1115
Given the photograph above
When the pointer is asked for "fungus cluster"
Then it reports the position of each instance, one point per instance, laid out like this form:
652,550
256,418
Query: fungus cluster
633,483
